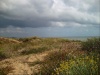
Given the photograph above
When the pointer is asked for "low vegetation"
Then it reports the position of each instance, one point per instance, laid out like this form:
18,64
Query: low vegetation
64,62
91,44
66,57
34,50
85,65
5,70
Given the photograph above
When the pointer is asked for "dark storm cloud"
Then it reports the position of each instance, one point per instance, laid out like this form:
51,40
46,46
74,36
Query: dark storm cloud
44,13
19,23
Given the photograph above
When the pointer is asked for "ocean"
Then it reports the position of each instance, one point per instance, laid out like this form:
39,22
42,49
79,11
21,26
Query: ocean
82,38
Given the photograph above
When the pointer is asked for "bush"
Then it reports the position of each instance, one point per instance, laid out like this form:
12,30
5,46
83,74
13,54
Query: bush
5,70
88,65
52,61
91,44
2,56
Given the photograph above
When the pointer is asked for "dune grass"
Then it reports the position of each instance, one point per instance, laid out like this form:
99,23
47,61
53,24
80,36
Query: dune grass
64,62
25,46
68,57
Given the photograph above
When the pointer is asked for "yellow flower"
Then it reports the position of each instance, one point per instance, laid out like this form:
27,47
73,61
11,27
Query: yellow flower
91,61
87,57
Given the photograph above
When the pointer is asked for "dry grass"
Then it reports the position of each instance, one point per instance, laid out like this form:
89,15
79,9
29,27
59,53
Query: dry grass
33,53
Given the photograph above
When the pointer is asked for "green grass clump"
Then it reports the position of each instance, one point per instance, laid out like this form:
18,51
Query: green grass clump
2,56
87,65
91,44
34,50
5,70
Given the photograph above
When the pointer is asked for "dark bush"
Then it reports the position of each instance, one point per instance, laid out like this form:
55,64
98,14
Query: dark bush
2,56
5,70
91,44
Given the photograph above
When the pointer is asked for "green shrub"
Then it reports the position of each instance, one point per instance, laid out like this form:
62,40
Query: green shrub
87,65
34,50
91,44
2,55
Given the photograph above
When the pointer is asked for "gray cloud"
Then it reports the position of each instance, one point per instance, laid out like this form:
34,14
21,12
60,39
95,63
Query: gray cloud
43,13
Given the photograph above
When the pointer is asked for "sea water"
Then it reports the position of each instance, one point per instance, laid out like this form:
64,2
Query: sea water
82,38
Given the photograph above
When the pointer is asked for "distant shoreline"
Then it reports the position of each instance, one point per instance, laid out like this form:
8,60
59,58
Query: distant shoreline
82,38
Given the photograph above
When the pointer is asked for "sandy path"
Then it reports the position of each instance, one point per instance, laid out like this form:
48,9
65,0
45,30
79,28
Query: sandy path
21,65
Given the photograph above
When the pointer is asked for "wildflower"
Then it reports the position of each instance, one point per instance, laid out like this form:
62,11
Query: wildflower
87,57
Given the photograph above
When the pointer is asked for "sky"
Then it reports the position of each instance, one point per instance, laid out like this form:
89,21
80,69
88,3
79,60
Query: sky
49,18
